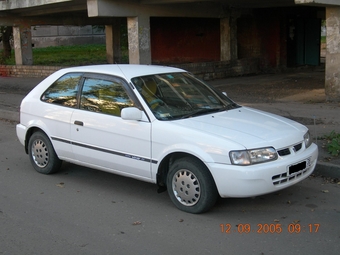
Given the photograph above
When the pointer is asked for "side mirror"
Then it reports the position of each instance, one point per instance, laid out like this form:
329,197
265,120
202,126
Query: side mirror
131,113
224,93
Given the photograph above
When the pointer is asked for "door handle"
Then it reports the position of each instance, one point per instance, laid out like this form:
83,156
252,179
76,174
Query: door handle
79,123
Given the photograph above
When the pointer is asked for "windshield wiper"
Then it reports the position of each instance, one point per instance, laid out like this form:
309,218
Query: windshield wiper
232,106
202,111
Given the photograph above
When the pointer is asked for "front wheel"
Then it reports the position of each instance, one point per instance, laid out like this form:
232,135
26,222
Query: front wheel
191,186
42,154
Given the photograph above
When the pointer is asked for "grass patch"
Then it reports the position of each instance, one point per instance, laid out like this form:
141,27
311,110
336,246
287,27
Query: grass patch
69,55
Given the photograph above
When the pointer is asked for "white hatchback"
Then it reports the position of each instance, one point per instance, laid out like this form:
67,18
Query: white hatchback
162,125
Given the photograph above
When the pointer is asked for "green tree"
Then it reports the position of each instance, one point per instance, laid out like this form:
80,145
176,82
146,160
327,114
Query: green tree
6,33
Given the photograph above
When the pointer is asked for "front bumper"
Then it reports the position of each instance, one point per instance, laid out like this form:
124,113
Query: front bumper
259,179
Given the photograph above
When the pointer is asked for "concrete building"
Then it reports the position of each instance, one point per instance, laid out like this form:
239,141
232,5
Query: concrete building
219,37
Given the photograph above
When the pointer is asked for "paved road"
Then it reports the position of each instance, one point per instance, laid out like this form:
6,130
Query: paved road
82,211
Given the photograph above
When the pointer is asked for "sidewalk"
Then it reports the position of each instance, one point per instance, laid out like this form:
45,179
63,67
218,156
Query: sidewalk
298,96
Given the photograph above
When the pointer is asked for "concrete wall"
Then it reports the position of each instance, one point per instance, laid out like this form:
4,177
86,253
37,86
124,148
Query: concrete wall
222,69
206,71
27,71
44,36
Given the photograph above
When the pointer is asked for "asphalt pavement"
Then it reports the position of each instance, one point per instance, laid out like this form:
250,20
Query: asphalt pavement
290,95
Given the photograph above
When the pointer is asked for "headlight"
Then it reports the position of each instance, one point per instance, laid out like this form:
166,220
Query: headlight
255,156
308,139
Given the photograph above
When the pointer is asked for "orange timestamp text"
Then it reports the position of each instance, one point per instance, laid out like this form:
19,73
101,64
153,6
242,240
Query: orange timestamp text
272,228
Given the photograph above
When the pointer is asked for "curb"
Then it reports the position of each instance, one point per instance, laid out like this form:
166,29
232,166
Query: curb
327,170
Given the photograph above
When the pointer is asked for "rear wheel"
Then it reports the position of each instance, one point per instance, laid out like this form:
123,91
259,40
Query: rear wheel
42,154
191,186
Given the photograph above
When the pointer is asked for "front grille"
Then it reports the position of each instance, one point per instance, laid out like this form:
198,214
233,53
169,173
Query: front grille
298,147
284,152
287,151
286,177
283,178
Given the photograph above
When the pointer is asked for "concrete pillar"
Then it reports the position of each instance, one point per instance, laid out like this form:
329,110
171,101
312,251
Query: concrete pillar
139,40
233,38
225,39
332,70
23,45
109,44
112,35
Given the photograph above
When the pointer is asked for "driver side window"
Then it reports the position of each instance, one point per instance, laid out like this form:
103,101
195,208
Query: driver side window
104,96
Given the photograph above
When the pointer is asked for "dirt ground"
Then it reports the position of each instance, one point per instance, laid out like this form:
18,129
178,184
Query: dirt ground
307,86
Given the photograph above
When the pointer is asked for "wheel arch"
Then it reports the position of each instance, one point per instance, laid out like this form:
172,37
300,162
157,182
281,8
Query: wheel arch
165,164
29,133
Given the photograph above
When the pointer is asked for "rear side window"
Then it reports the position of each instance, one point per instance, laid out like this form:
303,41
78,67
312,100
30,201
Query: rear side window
63,91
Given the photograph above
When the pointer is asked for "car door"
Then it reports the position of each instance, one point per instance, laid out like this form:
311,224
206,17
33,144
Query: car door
101,138
57,105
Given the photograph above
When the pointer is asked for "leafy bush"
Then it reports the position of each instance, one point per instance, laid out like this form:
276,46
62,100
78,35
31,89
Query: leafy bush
333,143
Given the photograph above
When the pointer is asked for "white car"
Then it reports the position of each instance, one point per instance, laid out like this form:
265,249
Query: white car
162,125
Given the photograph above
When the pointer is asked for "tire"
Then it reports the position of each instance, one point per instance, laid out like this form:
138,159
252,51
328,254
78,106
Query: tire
42,155
190,186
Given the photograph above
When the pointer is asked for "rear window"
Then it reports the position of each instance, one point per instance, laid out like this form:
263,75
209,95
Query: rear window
63,91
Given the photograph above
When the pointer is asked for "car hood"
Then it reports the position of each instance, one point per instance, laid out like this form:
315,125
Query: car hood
248,127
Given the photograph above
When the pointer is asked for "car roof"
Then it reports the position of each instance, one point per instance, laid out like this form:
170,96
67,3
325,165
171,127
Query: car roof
124,70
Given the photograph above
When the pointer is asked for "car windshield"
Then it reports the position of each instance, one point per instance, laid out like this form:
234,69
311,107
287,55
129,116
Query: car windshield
180,95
